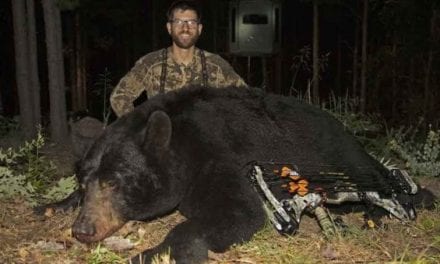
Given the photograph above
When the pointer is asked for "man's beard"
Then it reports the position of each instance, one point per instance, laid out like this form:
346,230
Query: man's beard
185,44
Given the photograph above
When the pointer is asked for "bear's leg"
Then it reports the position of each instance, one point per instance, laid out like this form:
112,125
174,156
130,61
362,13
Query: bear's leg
190,241
216,220
185,243
72,201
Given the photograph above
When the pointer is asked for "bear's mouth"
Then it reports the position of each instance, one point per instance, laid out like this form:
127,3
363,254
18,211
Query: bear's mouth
100,234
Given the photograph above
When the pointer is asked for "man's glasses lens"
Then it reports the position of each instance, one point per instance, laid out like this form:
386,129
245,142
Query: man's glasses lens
190,23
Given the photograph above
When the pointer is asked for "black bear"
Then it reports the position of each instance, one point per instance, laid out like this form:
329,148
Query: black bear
189,150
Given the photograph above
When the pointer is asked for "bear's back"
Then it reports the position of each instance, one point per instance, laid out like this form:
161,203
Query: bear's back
242,125
251,125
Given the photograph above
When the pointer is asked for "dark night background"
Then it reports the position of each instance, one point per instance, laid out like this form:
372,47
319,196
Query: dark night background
401,37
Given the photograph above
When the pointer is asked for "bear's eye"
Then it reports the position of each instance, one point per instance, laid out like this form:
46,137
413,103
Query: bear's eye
108,184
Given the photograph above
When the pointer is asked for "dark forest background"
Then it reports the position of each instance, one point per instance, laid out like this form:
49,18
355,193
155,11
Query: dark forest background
101,40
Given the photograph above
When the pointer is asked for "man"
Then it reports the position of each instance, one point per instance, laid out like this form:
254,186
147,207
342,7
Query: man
177,66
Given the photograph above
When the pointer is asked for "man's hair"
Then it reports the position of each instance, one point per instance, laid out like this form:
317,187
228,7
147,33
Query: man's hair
184,5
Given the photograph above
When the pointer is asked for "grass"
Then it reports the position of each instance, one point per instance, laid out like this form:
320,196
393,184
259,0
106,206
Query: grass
415,243
101,254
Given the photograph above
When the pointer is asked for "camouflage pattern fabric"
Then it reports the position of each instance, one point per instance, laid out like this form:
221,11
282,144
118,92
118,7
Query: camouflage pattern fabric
145,76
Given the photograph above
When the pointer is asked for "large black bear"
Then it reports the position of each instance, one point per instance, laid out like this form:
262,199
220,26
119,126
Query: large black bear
188,151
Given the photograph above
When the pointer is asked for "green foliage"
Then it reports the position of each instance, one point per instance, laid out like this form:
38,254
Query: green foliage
344,109
268,247
28,161
101,255
366,128
25,172
429,224
420,154
14,185
63,187
302,64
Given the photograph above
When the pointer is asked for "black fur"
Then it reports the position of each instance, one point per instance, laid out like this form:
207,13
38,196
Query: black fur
196,162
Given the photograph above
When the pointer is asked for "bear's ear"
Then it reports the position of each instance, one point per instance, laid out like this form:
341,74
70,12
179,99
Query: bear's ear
158,134
83,133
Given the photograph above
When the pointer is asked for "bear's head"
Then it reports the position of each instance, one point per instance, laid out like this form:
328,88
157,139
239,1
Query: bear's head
128,173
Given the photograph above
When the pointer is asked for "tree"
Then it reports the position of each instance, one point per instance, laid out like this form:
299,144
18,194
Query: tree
25,70
364,57
434,37
79,88
402,57
354,89
76,54
58,116
34,80
316,68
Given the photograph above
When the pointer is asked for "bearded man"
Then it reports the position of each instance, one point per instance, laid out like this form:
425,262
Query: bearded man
180,65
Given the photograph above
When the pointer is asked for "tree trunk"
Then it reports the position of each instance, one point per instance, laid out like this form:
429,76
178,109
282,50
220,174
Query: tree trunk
394,88
27,122
364,57
354,92
154,25
78,90
338,77
315,80
34,80
71,59
214,7
81,95
2,109
58,117
428,100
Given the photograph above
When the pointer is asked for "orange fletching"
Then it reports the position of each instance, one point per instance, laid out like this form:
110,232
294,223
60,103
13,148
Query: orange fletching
285,171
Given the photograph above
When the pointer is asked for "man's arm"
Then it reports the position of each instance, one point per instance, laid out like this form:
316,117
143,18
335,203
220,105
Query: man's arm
226,76
129,88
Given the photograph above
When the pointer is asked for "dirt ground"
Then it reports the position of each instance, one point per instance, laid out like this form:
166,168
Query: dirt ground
28,238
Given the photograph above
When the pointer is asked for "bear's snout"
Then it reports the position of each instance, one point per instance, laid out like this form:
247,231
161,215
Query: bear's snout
98,218
83,231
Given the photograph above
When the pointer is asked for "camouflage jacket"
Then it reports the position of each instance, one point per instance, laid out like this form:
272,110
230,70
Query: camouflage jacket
146,74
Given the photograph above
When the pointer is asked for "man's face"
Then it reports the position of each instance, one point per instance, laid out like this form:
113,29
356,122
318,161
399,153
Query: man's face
184,28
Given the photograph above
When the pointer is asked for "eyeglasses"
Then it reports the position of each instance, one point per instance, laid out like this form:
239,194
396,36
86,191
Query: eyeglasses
191,23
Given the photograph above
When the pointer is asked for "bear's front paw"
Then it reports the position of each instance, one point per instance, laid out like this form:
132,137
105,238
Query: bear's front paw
47,210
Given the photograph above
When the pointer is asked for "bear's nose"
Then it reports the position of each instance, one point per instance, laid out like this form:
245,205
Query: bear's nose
82,231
